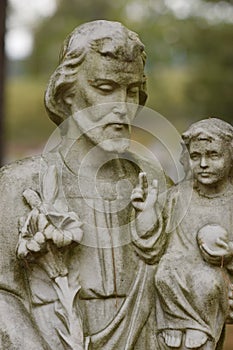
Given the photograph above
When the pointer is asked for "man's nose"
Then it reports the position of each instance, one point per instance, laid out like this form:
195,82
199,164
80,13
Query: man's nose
203,162
120,109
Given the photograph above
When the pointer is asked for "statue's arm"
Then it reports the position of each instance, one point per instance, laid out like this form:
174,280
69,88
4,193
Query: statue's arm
148,235
17,329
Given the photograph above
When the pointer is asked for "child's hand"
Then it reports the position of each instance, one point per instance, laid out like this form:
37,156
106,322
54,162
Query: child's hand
144,197
213,241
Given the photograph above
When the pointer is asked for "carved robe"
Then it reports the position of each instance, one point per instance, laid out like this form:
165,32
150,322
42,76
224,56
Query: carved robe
115,273
191,293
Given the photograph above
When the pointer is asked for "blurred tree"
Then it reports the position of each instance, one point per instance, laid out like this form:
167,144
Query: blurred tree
223,1
69,14
192,70
189,66
210,90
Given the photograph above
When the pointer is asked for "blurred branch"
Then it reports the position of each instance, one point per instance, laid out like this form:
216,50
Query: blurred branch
3,4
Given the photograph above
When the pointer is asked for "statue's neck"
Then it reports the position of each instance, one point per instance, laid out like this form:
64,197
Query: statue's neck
215,190
83,155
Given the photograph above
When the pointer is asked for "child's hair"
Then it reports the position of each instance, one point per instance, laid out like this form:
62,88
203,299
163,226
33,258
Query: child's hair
209,129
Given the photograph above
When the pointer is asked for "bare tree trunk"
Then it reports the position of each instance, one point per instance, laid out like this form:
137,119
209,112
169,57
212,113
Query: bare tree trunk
3,4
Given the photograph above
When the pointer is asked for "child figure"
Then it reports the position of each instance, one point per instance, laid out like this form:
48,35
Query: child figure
193,276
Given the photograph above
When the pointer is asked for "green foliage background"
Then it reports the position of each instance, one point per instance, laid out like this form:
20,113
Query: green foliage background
189,68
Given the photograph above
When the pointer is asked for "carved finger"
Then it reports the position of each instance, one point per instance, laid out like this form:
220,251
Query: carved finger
137,195
140,191
212,252
152,195
142,179
142,182
222,243
151,198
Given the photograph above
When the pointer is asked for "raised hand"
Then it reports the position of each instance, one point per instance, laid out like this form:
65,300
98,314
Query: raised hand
144,199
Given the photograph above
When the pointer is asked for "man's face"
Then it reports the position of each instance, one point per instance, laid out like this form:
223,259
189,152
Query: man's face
111,88
210,161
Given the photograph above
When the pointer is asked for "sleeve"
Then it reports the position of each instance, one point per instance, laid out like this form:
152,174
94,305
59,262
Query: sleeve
17,330
149,246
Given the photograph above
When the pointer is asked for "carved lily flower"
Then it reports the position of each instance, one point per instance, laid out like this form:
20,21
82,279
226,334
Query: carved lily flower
67,228
45,223
42,238
38,228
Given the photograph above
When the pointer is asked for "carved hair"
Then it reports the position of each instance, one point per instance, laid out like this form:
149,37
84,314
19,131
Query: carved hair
208,129
107,38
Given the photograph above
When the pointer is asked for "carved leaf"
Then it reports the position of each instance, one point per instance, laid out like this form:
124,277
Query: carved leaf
68,342
60,312
50,184
73,339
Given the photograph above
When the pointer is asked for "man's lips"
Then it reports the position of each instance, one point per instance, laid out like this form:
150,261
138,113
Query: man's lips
117,126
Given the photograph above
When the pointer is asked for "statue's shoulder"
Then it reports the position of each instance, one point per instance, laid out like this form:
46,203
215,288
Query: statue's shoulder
182,190
24,171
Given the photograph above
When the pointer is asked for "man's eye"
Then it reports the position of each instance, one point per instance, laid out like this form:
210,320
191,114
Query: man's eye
133,90
214,155
105,87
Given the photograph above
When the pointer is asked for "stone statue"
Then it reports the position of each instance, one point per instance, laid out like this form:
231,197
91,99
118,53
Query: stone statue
74,273
194,277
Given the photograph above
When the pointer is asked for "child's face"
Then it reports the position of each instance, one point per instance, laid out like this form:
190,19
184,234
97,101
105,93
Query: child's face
210,161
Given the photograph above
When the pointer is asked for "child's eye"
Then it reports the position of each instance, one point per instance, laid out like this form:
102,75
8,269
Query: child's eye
214,155
133,90
194,156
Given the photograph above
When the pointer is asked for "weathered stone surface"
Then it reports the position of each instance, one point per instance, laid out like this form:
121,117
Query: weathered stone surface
194,277
84,226
72,275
